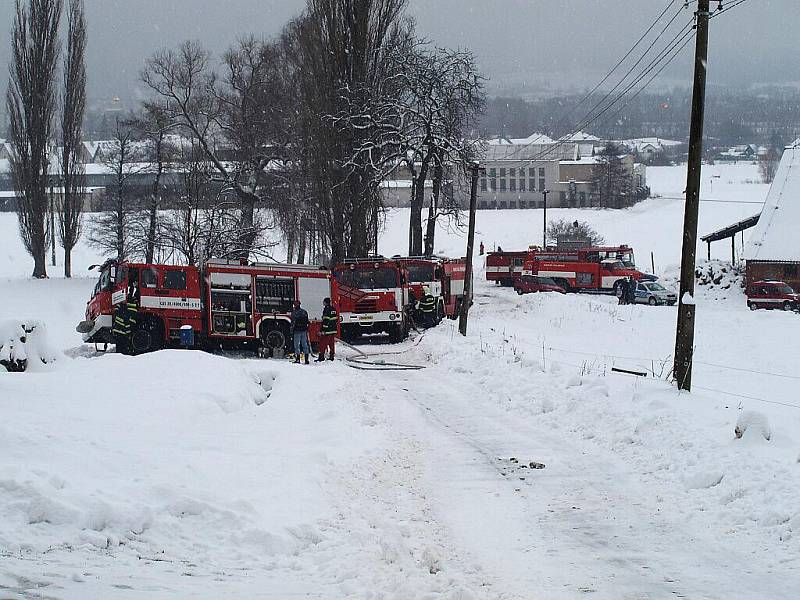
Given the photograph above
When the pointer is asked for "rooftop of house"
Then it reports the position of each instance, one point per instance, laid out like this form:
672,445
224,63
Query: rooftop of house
774,238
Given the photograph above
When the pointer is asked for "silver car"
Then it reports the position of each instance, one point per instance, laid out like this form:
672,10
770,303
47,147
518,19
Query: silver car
653,293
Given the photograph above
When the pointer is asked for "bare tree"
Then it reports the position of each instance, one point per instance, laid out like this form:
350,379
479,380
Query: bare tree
73,107
214,110
342,57
768,165
153,126
573,230
112,230
31,102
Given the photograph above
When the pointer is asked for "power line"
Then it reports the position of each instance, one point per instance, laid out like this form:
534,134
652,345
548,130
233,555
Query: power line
616,66
646,51
673,46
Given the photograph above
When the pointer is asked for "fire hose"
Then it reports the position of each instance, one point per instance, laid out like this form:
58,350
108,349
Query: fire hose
368,362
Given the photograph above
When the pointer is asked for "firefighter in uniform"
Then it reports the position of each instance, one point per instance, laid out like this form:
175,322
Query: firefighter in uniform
124,322
427,307
328,331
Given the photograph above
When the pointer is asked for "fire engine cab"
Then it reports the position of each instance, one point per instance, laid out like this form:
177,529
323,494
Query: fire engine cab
444,278
599,269
373,297
505,268
226,304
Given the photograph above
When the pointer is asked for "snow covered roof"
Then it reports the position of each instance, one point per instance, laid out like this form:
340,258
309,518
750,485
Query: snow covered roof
534,138
531,152
580,136
775,235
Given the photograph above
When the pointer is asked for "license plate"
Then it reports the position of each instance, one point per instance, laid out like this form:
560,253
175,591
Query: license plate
365,318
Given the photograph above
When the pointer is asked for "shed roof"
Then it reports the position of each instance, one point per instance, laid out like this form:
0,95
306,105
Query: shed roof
775,235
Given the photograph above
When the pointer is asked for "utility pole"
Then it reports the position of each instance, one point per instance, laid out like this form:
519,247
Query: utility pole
473,203
684,335
544,219
52,223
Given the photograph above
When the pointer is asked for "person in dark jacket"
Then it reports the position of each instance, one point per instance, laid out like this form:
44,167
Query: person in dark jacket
125,314
328,331
300,332
622,291
631,290
427,307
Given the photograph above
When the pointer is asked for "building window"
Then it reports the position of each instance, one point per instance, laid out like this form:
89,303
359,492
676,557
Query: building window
521,185
541,184
512,204
512,185
493,184
483,184
502,203
482,204
790,270
502,172
492,173
531,185
522,172
541,172
502,183
582,196
512,172
523,204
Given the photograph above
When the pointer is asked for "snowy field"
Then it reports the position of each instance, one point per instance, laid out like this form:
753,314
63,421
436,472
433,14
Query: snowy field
186,475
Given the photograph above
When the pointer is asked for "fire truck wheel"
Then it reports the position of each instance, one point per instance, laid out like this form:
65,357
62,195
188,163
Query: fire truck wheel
396,333
147,337
274,339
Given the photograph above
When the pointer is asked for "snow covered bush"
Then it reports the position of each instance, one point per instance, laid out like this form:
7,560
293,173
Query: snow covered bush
23,344
719,274
755,421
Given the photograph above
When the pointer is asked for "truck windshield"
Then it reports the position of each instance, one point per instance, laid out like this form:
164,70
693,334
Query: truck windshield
368,278
626,258
420,273
613,265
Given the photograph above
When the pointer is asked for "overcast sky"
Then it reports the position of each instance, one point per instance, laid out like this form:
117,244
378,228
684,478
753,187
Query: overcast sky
523,46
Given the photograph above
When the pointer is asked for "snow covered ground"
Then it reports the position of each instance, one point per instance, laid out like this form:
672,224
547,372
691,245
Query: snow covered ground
188,475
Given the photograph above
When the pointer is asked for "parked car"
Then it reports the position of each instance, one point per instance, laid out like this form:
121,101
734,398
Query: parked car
772,294
654,294
530,284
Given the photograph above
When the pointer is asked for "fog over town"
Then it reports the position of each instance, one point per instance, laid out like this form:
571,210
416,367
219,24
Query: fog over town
399,299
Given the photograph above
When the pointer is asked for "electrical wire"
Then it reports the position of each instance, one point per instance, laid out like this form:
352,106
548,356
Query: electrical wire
619,63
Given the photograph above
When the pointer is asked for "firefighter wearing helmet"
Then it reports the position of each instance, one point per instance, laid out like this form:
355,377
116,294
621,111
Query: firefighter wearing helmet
427,307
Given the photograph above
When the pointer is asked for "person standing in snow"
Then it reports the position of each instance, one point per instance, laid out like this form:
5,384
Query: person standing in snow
327,334
427,307
622,291
631,290
300,332
124,322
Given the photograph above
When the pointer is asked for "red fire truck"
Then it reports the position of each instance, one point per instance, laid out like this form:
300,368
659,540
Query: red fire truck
373,297
505,268
444,278
226,304
585,269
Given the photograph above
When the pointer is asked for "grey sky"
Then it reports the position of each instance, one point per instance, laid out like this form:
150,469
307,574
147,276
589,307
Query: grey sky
524,46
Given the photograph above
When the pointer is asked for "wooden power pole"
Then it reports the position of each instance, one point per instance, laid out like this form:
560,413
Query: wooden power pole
684,335
473,204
